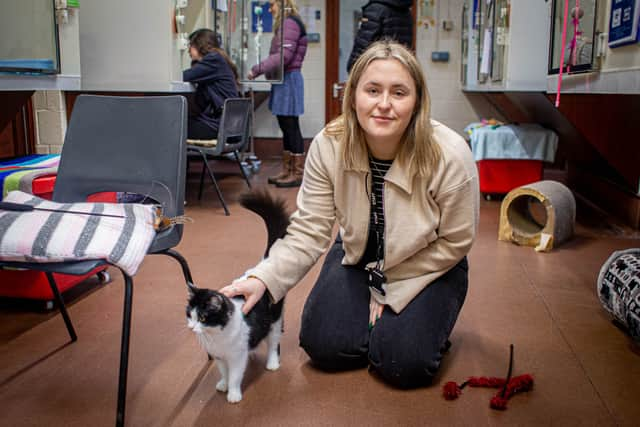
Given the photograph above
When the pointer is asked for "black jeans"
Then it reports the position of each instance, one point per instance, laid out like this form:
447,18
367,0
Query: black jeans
291,134
196,129
404,349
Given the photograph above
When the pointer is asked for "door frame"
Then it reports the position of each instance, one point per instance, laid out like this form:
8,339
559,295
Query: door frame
332,11
332,62
17,128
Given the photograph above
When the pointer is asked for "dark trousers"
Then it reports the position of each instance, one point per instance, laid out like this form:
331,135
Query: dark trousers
291,134
404,349
196,129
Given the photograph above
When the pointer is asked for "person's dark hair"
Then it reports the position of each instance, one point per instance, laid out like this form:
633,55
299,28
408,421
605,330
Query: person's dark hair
206,41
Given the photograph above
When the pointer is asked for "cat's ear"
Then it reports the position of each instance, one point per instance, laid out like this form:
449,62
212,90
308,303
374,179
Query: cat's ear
191,288
216,302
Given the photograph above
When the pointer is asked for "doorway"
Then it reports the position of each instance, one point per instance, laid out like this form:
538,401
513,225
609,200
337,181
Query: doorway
345,16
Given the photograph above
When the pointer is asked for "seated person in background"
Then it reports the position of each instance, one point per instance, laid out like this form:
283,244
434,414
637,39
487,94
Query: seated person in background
215,78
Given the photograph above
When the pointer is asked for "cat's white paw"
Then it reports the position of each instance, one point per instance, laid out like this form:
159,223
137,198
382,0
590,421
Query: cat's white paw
273,363
221,386
234,396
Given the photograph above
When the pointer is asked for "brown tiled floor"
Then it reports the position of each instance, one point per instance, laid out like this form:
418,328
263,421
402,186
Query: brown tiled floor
586,370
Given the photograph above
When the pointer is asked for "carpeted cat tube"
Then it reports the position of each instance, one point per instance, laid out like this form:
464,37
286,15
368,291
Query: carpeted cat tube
541,214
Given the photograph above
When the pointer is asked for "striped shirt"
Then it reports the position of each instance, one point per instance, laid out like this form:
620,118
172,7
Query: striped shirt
379,169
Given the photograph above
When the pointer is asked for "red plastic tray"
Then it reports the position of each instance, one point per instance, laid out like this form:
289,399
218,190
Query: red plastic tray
500,176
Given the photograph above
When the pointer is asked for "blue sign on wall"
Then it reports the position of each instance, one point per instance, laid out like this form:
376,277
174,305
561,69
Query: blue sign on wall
623,22
262,9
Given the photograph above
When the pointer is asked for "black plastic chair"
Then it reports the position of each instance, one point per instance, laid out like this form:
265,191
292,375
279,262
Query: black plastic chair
122,144
233,137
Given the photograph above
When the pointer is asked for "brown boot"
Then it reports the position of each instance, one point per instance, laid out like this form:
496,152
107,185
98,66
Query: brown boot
286,168
297,169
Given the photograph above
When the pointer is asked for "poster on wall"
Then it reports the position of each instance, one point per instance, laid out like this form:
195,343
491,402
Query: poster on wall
623,22
261,17
427,16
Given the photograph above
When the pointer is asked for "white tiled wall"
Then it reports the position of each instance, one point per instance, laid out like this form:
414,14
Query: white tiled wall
50,121
448,104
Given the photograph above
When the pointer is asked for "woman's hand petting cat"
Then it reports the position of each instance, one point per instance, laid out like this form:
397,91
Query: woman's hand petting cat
252,289
375,311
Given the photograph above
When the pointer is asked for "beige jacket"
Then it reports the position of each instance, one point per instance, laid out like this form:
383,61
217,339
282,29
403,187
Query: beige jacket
429,226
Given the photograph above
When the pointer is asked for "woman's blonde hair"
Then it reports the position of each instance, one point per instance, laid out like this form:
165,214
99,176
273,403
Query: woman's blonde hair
290,8
418,151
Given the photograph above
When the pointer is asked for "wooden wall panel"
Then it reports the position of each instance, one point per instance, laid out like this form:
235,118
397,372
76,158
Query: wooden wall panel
7,148
17,132
611,124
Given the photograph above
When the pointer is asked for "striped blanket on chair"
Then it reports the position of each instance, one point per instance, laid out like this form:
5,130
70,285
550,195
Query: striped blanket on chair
19,173
122,238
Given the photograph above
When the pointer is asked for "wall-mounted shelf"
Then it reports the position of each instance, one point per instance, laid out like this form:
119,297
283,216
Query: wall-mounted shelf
503,54
23,82
626,81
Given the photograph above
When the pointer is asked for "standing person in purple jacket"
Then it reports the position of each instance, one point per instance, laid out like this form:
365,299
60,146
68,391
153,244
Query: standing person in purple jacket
287,99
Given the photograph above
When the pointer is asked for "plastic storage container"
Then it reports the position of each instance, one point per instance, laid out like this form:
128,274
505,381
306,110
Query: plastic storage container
499,176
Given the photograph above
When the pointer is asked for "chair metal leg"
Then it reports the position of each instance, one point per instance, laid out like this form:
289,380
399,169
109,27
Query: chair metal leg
124,349
244,173
202,178
63,308
215,184
183,263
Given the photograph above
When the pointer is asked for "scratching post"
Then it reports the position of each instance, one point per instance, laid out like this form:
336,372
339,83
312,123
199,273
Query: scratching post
619,289
541,215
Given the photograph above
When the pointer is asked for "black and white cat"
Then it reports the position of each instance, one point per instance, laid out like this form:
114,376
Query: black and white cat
221,328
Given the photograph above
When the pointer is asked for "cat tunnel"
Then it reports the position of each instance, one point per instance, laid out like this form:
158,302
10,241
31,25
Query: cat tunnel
541,214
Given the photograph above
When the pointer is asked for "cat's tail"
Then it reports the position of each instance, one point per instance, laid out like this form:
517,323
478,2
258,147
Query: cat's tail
271,209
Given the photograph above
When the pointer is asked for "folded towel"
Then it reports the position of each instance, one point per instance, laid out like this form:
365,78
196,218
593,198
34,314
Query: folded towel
527,141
